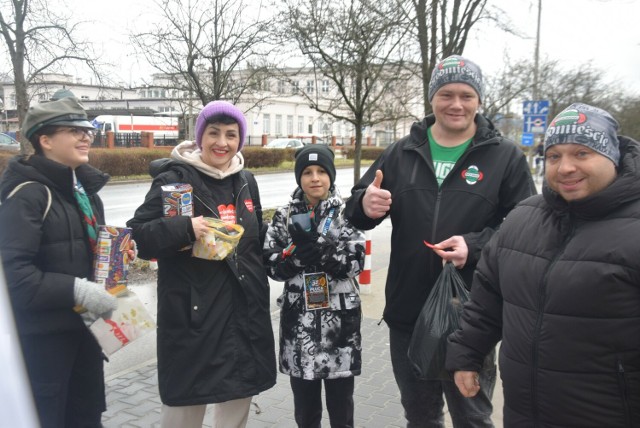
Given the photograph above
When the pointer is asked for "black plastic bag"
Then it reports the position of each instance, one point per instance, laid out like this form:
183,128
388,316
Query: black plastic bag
440,316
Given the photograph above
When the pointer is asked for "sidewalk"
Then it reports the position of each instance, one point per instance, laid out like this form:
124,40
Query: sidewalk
133,401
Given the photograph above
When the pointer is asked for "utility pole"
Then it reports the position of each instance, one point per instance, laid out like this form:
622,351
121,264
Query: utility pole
536,71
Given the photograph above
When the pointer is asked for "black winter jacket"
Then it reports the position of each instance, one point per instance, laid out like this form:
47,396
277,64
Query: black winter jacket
42,258
488,180
215,341
560,285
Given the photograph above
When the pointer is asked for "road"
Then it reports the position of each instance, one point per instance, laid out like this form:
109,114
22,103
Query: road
121,201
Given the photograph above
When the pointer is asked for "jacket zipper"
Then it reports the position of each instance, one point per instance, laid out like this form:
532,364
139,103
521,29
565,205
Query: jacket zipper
235,249
624,391
453,171
534,350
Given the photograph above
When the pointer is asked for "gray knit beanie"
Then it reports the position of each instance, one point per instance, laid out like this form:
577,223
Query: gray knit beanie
590,126
456,69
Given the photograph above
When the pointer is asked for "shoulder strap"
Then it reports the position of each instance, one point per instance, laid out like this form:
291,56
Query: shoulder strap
49,198
253,185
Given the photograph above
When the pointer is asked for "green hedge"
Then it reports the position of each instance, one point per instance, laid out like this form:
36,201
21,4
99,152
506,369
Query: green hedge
125,162
367,153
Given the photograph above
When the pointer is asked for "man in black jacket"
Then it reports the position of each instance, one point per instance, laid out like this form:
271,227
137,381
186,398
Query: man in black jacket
558,284
453,179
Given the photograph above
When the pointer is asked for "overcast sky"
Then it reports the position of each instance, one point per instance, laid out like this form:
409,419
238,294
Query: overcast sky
574,32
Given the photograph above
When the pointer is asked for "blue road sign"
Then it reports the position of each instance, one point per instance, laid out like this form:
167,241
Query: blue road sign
527,139
535,107
534,124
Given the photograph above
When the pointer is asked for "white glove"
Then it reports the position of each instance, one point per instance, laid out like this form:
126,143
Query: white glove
93,297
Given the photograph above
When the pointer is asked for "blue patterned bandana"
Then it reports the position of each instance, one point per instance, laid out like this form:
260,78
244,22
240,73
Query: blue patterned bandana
590,126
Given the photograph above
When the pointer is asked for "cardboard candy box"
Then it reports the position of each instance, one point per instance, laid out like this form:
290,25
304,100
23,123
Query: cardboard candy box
112,259
129,322
177,199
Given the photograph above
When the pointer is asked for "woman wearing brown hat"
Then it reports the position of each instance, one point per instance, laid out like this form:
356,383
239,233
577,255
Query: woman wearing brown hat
318,254
49,212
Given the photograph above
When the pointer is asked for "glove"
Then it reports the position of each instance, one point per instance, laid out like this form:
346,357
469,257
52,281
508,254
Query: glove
93,297
309,253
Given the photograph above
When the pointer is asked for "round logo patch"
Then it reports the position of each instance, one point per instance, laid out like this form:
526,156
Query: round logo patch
472,175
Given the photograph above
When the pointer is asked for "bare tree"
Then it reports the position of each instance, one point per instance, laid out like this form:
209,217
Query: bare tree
215,50
441,28
39,41
356,46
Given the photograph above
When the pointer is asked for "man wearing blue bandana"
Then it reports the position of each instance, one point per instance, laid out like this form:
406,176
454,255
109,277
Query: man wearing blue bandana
558,284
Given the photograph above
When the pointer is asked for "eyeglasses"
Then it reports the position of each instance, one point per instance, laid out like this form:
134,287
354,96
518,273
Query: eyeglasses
79,133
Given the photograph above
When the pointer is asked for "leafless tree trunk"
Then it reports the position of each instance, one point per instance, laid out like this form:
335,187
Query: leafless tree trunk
38,41
215,50
356,46
441,28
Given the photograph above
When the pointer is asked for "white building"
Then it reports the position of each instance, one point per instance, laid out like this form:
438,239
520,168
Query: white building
282,110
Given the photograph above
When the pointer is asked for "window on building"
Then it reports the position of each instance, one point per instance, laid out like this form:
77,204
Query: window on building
12,99
266,124
174,94
289,125
156,93
281,87
295,87
310,125
163,94
278,124
310,86
325,86
300,124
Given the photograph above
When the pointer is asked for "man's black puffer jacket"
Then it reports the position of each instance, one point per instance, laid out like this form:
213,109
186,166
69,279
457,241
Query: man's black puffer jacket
559,284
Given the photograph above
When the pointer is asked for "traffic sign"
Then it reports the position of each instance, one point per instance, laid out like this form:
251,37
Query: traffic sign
535,107
534,124
527,139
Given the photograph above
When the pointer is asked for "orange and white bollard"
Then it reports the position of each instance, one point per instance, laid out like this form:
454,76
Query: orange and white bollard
365,275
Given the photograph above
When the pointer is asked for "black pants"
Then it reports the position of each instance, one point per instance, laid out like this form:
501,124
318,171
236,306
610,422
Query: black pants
307,398
66,372
423,400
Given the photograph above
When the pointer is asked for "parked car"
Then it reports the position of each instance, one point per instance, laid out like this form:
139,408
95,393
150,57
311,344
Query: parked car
284,143
7,143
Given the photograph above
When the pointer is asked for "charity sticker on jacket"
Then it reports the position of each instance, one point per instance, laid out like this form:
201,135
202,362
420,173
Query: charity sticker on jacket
316,291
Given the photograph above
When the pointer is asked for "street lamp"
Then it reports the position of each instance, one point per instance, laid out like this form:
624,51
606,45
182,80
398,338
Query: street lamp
537,55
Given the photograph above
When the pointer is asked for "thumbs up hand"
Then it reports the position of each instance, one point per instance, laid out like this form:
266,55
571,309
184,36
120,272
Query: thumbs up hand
376,201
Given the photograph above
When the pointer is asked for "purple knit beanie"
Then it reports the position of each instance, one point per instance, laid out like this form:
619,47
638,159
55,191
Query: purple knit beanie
216,108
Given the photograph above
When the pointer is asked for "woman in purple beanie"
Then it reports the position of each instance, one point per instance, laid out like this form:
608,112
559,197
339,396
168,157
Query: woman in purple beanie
215,341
